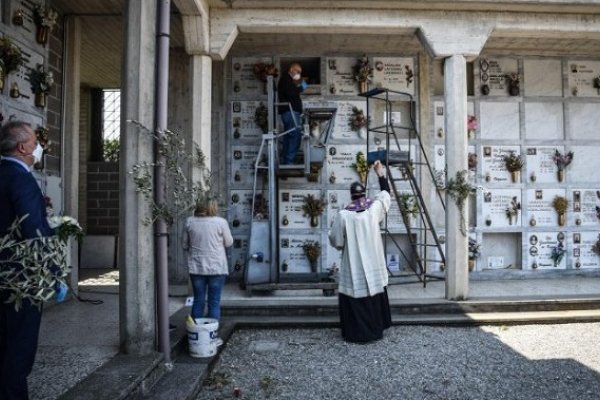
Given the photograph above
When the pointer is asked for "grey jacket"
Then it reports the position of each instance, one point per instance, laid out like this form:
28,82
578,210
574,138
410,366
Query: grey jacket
205,239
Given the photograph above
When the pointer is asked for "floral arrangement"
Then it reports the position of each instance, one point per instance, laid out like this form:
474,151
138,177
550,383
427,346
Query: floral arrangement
459,189
471,125
313,206
407,205
40,80
513,208
363,72
560,204
358,119
439,179
513,162
597,84
262,71
472,161
312,250
44,17
361,166
37,266
558,252
66,227
562,161
596,247
261,117
10,55
514,78
474,249
43,137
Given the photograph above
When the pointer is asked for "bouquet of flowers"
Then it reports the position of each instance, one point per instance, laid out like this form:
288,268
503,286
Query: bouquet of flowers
513,209
513,162
561,160
43,17
474,249
361,166
363,70
471,125
42,135
10,55
66,227
558,253
262,70
40,80
358,119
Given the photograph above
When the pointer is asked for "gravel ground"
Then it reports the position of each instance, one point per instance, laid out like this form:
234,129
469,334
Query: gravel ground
412,362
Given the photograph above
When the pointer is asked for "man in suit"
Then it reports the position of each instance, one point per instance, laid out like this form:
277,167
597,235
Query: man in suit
20,196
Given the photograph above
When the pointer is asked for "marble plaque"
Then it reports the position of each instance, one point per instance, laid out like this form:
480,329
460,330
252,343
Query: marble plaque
542,77
342,128
243,126
27,7
581,76
290,209
291,252
499,120
339,162
439,163
238,255
539,207
243,81
540,164
539,248
544,121
495,203
31,59
395,223
336,200
240,209
394,73
584,120
242,164
340,76
581,254
439,124
585,165
583,203
493,167
493,71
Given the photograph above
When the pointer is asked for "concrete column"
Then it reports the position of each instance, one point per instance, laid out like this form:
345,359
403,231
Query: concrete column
70,124
137,309
455,97
201,79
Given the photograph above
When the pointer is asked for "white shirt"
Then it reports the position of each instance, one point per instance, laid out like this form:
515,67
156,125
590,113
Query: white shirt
363,271
205,239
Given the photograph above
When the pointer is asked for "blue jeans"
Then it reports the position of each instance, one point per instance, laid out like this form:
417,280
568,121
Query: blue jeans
212,296
291,141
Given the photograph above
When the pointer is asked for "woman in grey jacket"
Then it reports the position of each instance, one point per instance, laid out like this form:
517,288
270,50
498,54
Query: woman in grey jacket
204,239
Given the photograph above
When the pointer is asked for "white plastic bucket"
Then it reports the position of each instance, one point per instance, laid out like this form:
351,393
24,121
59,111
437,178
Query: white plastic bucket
201,336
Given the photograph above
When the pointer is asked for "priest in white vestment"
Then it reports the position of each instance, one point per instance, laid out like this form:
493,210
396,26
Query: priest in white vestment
363,278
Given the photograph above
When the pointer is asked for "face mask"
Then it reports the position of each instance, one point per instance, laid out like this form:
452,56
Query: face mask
296,77
37,153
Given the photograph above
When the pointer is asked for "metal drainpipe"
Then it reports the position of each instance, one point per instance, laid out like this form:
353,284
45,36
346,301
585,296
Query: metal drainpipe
160,226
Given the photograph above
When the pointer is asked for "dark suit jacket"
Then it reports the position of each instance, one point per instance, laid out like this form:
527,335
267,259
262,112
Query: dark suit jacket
289,93
20,195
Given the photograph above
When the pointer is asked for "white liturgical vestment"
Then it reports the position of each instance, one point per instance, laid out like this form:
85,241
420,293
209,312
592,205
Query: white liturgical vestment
363,271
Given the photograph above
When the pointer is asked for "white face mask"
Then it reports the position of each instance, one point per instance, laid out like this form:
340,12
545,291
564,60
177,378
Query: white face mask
296,77
37,153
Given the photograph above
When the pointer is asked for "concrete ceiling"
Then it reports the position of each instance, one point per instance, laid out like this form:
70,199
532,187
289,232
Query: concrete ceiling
102,34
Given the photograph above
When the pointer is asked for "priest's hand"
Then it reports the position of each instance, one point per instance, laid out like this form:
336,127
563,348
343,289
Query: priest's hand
378,168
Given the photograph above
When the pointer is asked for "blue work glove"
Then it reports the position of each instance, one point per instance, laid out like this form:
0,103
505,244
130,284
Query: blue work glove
303,84
61,292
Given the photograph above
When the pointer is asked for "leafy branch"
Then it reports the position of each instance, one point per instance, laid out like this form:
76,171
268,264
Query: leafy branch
459,189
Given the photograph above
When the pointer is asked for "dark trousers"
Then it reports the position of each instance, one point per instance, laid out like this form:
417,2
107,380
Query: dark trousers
18,344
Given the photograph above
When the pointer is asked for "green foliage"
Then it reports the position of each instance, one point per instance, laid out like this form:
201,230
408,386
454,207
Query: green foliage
313,206
459,189
110,150
407,204
181,194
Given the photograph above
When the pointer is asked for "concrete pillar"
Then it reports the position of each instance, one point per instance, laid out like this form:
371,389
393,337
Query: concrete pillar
137,318
455,119
70,123
201,80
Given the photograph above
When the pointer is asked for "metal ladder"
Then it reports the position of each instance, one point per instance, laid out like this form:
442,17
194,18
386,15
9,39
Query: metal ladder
424,241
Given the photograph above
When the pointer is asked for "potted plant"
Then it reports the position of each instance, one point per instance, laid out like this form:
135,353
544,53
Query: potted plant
512,211
312,251
41,83
474,253
514,163
560,204
45,20
557,254
10,58
363,72
459,189
261,117
312,208
562,161
361,167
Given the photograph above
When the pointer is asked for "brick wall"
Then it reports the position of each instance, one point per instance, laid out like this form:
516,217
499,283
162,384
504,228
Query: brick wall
102,198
